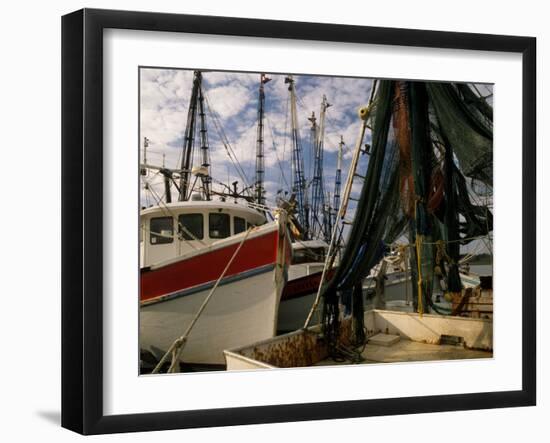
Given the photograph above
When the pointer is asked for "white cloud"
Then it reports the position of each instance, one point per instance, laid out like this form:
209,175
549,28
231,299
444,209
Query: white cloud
228,101
164,100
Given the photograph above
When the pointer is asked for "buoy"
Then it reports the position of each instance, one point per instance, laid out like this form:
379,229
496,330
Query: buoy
363,113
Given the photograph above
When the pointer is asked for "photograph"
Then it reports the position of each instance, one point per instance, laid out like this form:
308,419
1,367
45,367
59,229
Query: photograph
291,220
269,222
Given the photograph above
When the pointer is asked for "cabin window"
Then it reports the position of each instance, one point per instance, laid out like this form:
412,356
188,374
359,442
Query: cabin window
162,230
190,227
308,255
219,225
239,225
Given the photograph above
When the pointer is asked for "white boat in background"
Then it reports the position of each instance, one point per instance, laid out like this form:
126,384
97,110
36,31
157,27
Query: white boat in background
304,277
185,248
397,287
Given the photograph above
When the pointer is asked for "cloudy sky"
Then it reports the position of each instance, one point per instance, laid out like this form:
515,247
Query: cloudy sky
164,100
233,97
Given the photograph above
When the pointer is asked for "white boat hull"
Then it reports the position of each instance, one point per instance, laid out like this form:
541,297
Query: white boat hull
240,312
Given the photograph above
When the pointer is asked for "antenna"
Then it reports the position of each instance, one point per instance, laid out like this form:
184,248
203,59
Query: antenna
146,141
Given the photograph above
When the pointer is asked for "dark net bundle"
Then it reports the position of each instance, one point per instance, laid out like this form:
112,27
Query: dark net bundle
461,219
377,220
425,184
467,125
427,139
476,103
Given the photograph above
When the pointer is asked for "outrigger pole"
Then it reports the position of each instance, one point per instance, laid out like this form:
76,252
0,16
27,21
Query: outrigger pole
337,181
259,190
196,102
298,181
206,180
319,226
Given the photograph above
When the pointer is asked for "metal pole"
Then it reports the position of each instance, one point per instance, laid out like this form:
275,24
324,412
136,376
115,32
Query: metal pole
298,182
260,161
341,214
187,157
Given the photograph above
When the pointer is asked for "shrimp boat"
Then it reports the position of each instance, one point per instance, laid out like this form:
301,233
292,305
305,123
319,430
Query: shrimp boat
213,266
304,277
185,248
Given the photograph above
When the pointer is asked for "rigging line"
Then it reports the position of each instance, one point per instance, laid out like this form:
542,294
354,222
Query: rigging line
479,94
149,182
300,101
252,205
276,151
151,151
477,199
225,142
224,139
479,237
286,136
180,153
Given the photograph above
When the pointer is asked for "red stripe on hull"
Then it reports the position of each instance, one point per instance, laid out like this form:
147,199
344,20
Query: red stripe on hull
203,268
306,285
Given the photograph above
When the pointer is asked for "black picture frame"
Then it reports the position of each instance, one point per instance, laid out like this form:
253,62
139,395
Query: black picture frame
82,154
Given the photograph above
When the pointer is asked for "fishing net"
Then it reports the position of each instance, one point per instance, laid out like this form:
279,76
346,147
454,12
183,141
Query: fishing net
376,216
467,125
427,138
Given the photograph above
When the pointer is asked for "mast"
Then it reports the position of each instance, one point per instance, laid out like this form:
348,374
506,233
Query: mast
205,178
167,175
337,180
188,141
319,221
260,163
311,213
298,182
196,103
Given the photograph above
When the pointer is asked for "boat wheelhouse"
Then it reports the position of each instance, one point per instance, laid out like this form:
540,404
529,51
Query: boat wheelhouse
172,230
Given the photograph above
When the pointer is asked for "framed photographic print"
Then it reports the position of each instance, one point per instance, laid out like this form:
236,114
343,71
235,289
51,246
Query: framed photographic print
261,218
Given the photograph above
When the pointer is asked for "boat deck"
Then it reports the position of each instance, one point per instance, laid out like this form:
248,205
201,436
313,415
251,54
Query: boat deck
409,351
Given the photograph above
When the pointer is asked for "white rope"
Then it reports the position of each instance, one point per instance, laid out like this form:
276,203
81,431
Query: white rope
177,347
341,215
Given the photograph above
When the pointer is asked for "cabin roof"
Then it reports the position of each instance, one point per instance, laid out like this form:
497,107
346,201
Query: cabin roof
202,205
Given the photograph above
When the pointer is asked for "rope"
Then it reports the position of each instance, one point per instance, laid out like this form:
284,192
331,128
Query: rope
336,231
177,347
274,148
410,245
225,141
419,268
442,253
